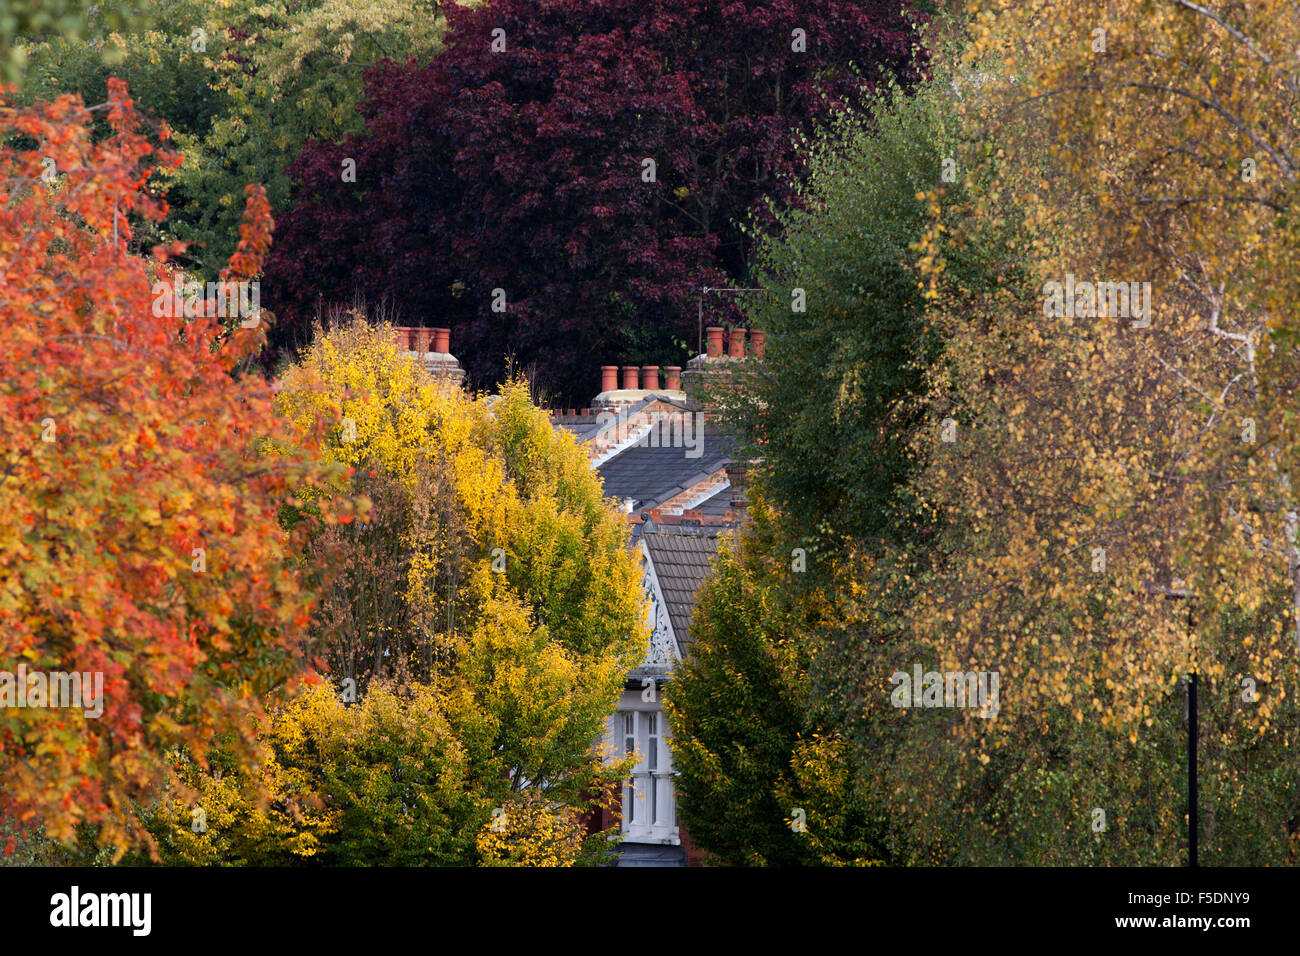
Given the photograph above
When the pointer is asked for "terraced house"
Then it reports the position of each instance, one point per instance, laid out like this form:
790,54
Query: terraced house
660,454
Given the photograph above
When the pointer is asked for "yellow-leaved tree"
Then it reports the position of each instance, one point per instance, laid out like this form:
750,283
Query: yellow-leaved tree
476,628
1110,433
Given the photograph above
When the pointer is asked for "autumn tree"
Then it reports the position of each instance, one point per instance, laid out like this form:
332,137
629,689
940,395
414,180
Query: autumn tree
242,84
483,487
531,831
563,178
1106,435
141,547
760,781
381,780
495,625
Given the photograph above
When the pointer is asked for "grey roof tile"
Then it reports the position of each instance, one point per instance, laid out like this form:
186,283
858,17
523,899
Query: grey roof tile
581,430
716,505
651,475
682,557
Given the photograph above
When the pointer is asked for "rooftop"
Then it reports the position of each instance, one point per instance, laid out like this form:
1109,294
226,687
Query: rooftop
650,476
682,556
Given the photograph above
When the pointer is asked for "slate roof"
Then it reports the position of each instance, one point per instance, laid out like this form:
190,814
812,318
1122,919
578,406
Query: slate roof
717,505
681,556
587,426
582,427
650,475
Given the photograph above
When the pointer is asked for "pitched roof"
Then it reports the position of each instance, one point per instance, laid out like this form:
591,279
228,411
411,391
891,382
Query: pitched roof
681,556
651,475
582,428
717,504
590,422
644,403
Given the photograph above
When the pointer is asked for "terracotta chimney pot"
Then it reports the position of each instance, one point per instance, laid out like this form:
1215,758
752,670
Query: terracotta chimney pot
713,341
737,343
442,340
650,377
609,378
630,373
673,373
757,343
402,337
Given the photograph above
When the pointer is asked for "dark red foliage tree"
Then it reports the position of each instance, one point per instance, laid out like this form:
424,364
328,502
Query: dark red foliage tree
517,161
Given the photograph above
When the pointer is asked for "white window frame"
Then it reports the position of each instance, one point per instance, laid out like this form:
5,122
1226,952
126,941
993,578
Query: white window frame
649,805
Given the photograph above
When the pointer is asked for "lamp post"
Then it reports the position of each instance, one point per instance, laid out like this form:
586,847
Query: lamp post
1173,593
1193,810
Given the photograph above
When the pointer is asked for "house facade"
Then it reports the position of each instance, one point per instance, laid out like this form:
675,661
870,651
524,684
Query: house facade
660,455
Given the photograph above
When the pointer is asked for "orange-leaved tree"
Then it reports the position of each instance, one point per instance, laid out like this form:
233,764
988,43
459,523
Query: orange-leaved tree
140,548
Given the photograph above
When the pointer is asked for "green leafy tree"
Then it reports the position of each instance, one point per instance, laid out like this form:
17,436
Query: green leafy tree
243,84
760,781
831,414
843,305
23,22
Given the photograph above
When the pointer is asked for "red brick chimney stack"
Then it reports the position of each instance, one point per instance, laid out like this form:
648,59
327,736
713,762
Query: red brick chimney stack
738,476
637,380
420,341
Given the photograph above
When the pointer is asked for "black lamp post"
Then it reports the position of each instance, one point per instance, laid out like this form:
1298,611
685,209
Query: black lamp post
1193,795
1193,810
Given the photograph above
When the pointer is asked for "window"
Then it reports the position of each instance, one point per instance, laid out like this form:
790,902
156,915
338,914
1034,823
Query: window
648,806
652,764
652,741
629,747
